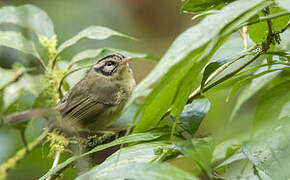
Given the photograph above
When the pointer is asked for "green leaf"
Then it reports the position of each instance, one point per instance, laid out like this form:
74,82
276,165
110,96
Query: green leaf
199,35
269,150
259,31
197,6
184,60
92,32
147,171
140,153
193,114
138,137
254,86
198,150
271,104
30,17
23,102
16,41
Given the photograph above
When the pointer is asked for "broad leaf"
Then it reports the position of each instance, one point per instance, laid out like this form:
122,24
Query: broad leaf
30,17
254,86
16,41
23,102
271,104
92,32
269,150
184,60
198,150
259,31
139,137
141,153
193,114
147,171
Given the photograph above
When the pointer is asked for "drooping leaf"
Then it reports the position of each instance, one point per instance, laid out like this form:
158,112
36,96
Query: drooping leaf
193,114
141,153
203,32
30,17
196,6
16,41
92,32
198,150
185,59
139,137
147,171
269,150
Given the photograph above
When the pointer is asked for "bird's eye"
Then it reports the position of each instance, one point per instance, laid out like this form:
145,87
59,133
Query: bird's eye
110,63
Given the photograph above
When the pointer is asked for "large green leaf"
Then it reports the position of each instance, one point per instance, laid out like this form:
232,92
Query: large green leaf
269,150
184,60
200,34
196,6
16,41
193,114
92,32
198,150
28,16
271,104
139,137
254,86
147,171
259,31
141,153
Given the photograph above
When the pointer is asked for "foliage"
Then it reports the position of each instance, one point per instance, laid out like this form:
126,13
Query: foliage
165,125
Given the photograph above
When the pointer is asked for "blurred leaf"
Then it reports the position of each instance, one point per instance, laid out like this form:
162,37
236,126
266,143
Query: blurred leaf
254,86
259,31
138,137
285,4
92,32
271,104
1,101
184,60
127,117
197,6
193,114
28,16
147,171
23,102
140,153
198,150
269,150
16,41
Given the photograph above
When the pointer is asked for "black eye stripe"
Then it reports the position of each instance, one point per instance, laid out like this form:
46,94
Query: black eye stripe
106,73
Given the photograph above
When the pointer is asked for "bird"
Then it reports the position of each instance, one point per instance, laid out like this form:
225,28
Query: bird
97,100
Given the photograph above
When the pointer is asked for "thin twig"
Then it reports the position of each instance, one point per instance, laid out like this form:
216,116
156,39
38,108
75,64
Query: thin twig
55,162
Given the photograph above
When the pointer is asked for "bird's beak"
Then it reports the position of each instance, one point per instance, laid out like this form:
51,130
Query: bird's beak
126,60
